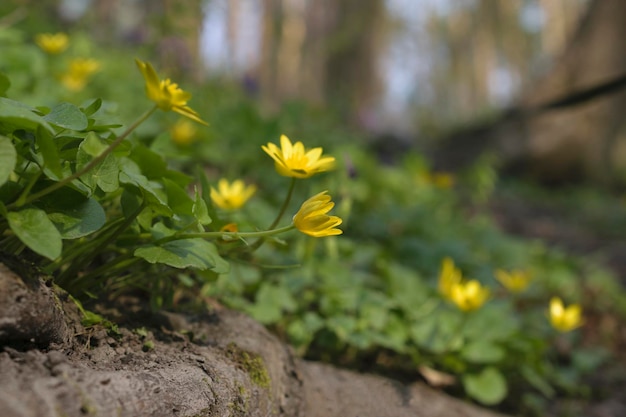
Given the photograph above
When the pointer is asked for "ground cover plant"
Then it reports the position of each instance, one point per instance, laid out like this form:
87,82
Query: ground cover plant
142,187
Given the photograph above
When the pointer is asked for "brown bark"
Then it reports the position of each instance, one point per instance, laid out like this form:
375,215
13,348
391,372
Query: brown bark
167,364
581,138
578,139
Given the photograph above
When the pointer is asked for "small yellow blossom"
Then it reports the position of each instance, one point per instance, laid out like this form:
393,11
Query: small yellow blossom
449,276
515,281
166,94
442,179
52,43
565,319
183,132
230,228
296,161
312,219
79,73
231,196
469,295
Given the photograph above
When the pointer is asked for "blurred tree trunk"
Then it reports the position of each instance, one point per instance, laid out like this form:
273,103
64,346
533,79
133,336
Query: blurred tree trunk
586,139
353,52
581,140
323,51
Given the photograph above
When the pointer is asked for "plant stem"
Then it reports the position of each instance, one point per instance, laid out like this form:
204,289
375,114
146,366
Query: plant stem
234,235
282,211
76,266
95,161
285,204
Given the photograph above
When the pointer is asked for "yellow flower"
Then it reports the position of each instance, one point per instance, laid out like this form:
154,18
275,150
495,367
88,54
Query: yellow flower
442,179
469,295
229,228
449,276
564,319
231,196
166,94
52,43
183,132
312,219
514,281
296,161
79,72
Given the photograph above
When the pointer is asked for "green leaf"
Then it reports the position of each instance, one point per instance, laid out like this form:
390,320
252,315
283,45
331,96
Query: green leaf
439,331
482,351
177,198
270,303
342,325
494,322
185,253
8,158
73,214
50,153
67,116
5,83
33,227
15,115
152,192
537,381
92,108
152,165
488,387
200,210
92,145
105,174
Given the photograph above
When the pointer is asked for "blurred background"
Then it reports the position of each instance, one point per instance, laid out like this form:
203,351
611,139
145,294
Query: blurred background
406,72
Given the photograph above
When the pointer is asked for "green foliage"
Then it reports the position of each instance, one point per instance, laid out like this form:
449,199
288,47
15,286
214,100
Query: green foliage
106,205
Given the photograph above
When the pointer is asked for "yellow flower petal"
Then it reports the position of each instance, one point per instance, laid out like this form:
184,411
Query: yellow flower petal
166,94
52,43
294,160
231,196
565,319
515,281
312,219
469,296
449,276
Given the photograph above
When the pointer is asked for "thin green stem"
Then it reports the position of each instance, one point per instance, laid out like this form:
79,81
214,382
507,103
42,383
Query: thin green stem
92,278
80,247
95,161
234,235
23,196
257,244
283,208
78,265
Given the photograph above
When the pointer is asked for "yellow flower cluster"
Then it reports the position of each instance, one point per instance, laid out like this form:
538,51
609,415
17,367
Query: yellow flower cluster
79,73
290,160
466,295
52,43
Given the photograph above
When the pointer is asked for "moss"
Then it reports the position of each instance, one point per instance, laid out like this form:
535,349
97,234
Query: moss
251,363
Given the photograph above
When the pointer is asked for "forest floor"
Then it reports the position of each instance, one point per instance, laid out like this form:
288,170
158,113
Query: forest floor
153,362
